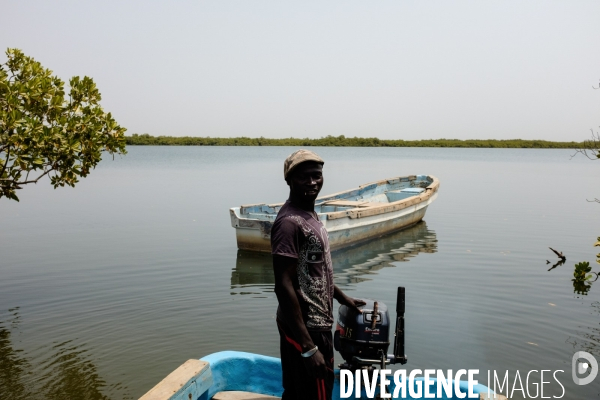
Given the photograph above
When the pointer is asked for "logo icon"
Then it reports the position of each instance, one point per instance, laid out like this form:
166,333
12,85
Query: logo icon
580,367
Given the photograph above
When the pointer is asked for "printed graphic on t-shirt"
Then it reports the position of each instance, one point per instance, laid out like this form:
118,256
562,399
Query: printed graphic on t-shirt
298,234
314,270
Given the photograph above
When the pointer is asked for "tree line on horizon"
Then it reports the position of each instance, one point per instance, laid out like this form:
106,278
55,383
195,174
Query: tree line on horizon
343,141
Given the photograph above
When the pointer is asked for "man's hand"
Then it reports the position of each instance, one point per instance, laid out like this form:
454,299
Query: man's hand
347,301
315,365
353,303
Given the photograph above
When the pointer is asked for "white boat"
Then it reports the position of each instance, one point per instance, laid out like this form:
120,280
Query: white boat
352,216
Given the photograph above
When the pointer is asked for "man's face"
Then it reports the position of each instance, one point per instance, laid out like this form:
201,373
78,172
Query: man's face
306,180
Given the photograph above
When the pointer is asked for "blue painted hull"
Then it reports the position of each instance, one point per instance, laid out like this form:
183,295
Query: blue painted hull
239,371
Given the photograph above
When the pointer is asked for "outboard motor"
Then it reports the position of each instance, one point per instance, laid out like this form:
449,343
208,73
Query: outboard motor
363,338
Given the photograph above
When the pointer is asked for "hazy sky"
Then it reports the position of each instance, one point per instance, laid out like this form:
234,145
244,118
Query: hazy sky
391,69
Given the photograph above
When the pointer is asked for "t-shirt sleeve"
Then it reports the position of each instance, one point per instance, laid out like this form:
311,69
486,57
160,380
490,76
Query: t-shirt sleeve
285,238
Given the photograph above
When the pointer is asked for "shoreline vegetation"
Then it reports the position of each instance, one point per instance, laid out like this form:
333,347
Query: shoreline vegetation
342,141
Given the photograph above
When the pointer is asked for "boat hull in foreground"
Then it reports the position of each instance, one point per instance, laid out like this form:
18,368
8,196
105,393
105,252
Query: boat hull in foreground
239,375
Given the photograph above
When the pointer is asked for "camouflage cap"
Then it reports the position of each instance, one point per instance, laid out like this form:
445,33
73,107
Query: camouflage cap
298,157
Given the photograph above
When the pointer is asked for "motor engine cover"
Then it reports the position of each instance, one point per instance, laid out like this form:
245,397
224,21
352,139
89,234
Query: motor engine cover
356,335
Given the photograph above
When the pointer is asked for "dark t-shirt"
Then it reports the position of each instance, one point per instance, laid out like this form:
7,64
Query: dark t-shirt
298,234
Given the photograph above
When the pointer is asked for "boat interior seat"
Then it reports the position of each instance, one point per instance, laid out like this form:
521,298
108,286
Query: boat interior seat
396,195
346,203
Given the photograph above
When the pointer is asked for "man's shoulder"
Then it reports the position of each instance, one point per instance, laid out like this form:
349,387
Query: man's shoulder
285,232
289,214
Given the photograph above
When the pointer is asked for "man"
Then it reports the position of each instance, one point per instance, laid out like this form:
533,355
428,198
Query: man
304,284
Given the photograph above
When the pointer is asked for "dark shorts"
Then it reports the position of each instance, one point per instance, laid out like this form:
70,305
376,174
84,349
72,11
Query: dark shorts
297,383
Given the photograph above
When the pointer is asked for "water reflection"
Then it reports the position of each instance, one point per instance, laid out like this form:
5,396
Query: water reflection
253,272
557,264
587,338
583,276
64,371
14,367
354,264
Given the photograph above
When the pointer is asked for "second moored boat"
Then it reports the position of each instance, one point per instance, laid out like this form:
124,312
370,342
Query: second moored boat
351,216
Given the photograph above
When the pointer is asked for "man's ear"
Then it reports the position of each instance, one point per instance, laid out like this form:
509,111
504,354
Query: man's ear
287,180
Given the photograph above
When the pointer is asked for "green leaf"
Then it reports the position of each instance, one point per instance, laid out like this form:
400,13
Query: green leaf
13,196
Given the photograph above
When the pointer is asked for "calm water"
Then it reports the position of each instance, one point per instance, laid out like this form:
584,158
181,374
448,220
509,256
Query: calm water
108,287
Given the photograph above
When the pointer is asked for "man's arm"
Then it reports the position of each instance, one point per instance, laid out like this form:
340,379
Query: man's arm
345,300
286,280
